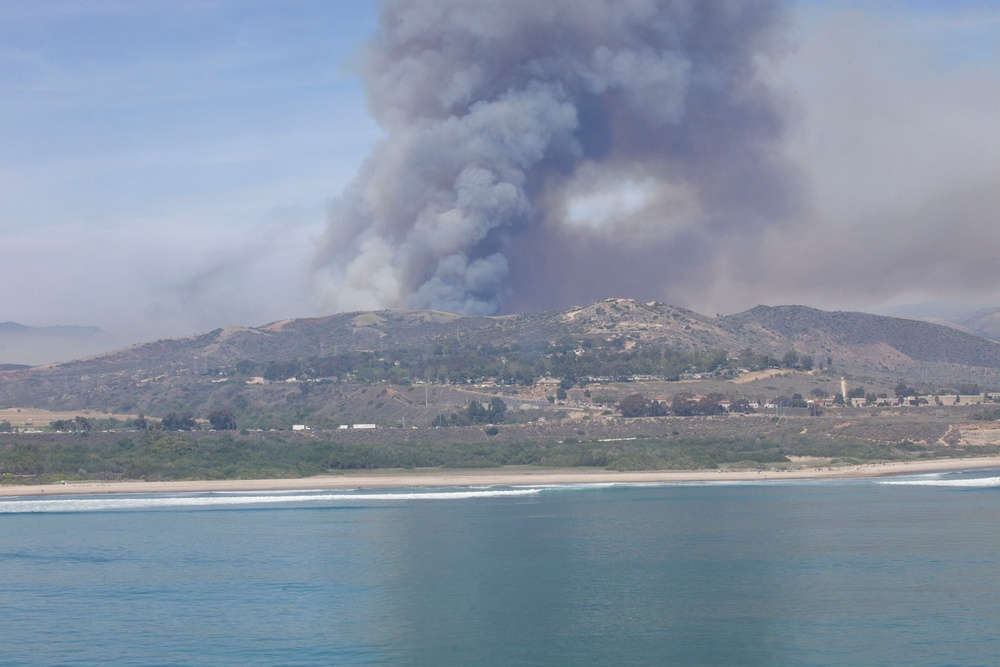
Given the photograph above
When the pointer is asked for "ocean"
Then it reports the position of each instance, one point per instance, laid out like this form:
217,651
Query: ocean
902,571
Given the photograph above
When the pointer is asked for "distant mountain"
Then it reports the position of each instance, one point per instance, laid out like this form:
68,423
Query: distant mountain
20,344
981,322
210,370
932,311
14,367
864,339
985,323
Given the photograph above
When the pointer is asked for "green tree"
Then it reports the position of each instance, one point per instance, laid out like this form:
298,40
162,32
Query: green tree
684,404
222,419
687,405
498,410
179,422
634,405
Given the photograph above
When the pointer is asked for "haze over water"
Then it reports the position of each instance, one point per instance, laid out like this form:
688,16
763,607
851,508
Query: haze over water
791,573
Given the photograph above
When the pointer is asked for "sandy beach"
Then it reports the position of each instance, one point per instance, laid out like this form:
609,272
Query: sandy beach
494,477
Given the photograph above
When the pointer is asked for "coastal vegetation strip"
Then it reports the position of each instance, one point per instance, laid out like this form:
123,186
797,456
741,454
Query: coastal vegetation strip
161,455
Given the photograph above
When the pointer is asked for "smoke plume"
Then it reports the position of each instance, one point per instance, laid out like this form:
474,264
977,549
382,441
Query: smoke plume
541,152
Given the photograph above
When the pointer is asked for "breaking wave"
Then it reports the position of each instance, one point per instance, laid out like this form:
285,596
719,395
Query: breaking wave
104,504
968,483
236,499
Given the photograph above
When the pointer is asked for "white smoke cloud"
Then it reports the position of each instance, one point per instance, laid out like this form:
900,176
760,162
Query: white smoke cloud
500,116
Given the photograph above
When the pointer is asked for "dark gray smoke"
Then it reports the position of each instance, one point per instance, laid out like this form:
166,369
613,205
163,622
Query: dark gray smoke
539,152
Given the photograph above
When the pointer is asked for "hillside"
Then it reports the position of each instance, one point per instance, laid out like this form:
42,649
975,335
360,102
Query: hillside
985,323
323,367
874,342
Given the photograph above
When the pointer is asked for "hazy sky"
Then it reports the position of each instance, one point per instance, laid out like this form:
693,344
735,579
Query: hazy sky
167,168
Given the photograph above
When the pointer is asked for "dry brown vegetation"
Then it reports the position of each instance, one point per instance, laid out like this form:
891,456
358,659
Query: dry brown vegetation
36,417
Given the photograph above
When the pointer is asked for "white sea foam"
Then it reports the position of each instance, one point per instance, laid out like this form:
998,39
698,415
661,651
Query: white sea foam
762,481
170,501
969,482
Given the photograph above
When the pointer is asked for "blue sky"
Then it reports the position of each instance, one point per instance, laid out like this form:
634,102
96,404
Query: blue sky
165,167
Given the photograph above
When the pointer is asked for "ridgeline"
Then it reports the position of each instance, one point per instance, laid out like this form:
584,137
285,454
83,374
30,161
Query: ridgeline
757,388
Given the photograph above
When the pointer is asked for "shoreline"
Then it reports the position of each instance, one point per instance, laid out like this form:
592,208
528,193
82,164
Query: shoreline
394,479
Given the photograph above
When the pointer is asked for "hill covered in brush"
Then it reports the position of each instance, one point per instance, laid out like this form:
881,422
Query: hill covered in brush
366,364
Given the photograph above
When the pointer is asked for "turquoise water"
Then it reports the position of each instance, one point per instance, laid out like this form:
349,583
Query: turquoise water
804,573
